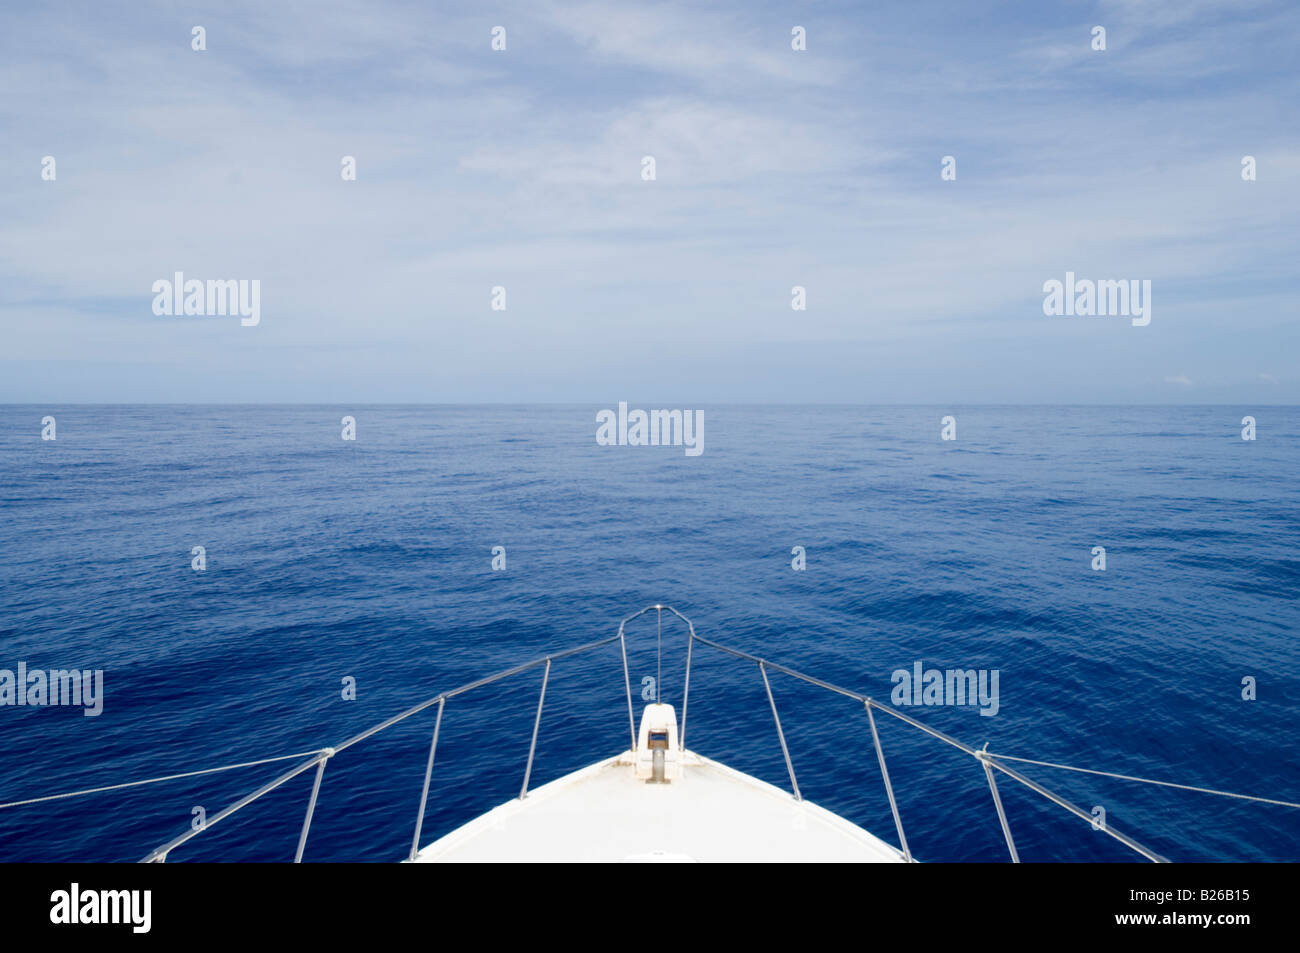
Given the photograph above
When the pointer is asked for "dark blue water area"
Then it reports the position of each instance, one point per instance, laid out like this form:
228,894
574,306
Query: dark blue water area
371,559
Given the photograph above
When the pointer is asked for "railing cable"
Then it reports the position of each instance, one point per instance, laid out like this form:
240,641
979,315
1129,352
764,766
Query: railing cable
1129,777
168,777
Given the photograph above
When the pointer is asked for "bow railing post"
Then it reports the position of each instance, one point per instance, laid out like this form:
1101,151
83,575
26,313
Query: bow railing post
762,667
686,688
997,801
889,788
428,773
532,748
311,804
627,684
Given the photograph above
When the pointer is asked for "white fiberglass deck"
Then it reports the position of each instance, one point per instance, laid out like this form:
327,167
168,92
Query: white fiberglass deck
710,813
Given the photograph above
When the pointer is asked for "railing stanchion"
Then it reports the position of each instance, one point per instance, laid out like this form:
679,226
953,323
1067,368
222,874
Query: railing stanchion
997,801
762,667
532,748
889,788
428,773
686,689
627,683
311,805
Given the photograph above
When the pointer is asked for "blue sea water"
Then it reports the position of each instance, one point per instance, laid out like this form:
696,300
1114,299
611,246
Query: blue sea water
372,559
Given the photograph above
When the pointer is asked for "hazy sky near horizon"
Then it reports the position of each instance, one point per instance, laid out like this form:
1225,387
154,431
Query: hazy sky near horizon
522,168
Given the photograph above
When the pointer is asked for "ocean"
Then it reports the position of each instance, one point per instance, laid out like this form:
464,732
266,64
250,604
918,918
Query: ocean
327,560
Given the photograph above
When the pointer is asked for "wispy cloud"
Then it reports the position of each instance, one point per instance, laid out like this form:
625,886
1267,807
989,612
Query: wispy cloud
522,168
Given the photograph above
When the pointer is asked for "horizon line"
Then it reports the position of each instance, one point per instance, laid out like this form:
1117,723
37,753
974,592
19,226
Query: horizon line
572,403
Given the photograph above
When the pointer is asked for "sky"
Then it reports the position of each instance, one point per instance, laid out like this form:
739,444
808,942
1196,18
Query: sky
774,168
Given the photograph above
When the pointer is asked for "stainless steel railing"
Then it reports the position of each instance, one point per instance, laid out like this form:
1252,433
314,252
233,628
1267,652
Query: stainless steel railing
989,761
319,758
